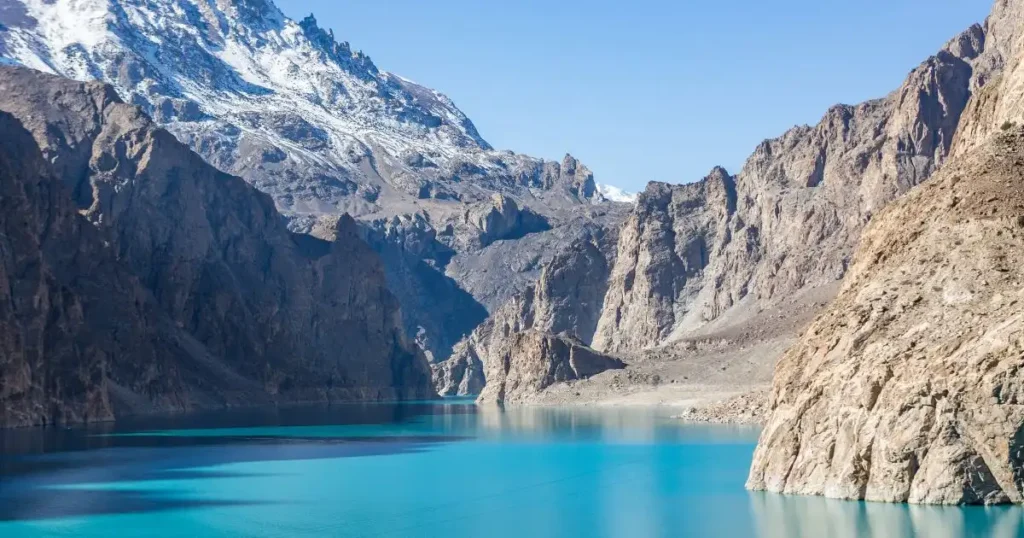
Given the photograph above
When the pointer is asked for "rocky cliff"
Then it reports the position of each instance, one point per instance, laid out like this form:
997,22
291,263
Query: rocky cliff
908,387
692,257
77,330
790,219
533,361
293,317
565,300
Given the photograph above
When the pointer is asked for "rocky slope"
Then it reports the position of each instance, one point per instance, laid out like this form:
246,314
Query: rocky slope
790,219
287,316
908,387
690,258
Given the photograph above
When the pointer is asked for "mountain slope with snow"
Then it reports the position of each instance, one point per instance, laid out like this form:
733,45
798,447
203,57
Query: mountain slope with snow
280,102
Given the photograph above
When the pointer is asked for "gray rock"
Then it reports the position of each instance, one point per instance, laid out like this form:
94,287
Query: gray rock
565,300
908,388
790,219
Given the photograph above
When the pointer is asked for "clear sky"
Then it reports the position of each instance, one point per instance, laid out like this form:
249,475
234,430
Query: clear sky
644,90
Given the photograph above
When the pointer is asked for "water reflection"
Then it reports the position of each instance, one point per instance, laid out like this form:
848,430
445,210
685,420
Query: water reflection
427,469
813,517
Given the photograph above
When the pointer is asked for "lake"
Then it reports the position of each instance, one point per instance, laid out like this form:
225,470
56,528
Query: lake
426,469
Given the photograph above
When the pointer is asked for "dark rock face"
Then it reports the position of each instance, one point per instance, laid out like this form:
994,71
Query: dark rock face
74,323
296,317
534,360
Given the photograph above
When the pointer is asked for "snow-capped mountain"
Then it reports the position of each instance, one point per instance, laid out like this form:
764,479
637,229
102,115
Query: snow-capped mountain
279,102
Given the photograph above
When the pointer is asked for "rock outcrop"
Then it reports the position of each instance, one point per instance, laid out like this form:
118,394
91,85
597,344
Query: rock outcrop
76,328
908,388
501,218
564,300
296,317
664,248
534,360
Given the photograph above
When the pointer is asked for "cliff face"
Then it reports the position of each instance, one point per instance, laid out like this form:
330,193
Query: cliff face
564,300
790,219
908,387
296,317
533,361
664,249
728,246
76,328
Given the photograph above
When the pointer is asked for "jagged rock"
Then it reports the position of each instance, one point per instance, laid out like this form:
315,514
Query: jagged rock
563,300
74,323
461,375
299,318
503,219
534,360
908,388
791,218
664,247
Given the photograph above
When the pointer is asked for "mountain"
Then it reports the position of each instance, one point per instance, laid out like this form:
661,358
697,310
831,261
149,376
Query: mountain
162,283
715,259
315,124
908,387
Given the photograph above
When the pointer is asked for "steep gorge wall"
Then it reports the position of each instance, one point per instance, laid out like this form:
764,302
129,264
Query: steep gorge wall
287,316
908,387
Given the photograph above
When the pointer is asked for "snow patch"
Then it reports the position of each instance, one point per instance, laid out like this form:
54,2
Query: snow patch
615,194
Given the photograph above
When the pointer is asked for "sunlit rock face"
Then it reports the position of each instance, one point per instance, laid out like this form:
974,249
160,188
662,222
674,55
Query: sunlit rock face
908,387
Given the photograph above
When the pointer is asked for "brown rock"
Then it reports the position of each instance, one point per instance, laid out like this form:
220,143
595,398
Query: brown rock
534,361
908,388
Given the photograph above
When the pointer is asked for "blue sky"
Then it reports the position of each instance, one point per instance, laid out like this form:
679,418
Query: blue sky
646,89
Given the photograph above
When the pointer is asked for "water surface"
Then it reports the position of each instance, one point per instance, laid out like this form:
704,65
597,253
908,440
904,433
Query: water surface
426,469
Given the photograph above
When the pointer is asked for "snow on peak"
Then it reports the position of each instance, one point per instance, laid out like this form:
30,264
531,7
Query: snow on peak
615,194
280,102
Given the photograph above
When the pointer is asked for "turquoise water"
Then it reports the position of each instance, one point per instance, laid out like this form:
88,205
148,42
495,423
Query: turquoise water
426,469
